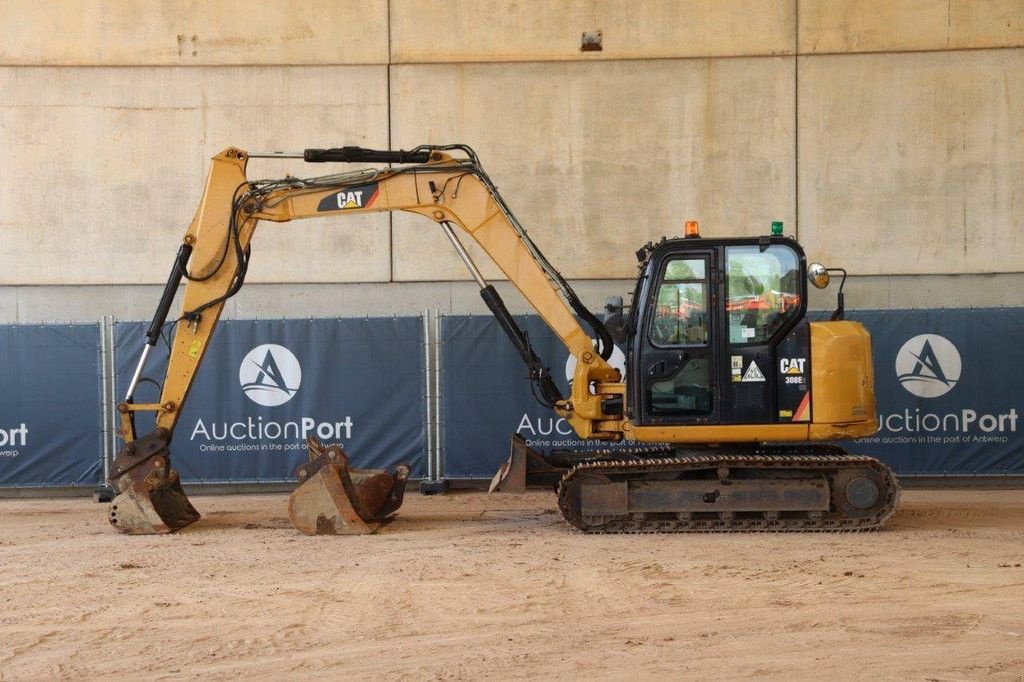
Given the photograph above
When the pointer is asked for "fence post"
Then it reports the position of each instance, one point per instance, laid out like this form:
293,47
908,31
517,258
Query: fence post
108,388
435,482
438,399
428,395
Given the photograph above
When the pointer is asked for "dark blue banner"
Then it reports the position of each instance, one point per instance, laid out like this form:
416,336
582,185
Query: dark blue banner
486,397
50,406
946,383
265,386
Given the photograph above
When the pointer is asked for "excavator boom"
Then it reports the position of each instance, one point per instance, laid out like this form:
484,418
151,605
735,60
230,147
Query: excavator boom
444,184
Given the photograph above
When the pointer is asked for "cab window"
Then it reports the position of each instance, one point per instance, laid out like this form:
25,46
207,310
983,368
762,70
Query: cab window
680,309
687,391
762,291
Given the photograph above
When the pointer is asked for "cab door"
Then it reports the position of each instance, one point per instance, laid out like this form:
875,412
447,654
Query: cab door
677,360
763,304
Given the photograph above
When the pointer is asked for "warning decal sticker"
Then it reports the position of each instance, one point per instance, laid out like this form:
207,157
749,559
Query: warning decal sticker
753,373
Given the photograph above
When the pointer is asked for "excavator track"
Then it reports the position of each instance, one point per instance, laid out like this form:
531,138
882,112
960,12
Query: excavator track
768,489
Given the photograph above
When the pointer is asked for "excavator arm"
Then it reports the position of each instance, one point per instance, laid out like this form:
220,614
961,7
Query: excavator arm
444,184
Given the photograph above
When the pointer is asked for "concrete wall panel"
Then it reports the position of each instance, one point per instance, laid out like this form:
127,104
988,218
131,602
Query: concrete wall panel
191,32
915,164
500,30
902,25
103,168
597,159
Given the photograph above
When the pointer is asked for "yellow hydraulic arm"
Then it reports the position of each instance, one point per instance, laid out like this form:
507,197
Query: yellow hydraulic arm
452,191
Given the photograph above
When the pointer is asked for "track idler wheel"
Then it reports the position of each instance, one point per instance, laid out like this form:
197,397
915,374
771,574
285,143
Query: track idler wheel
334,499
150,498
858,493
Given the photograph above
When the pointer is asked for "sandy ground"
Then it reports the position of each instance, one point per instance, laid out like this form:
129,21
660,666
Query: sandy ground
477,586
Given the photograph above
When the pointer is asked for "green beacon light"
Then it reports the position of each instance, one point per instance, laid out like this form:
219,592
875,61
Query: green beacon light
776,228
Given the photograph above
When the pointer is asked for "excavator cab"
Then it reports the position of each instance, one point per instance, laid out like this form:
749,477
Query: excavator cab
717,335
713,323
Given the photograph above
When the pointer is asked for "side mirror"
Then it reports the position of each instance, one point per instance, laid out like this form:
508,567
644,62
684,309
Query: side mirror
818,275
614,320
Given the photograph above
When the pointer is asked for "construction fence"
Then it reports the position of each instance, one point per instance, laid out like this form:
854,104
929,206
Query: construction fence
444,393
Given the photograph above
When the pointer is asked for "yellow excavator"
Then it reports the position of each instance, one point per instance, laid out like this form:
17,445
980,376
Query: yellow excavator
729,394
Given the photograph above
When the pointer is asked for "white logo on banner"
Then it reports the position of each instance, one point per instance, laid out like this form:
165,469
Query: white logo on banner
270,375
928,365
12,438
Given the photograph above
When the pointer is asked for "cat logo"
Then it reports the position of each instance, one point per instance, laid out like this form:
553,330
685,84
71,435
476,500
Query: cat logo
792,365
350,199
360,196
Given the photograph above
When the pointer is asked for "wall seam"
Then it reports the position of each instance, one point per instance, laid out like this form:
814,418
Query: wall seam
796,122
567,60
391,214
852,53
758,55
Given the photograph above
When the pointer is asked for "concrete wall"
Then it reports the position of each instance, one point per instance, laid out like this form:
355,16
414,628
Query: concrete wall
916,164
887,134
103,167
193,32
599,158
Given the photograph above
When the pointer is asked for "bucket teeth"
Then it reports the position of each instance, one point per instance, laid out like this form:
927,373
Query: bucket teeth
151,499
150,510
334,499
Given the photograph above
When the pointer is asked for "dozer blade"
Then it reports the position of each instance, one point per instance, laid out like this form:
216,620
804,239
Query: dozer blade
524,467
150,500
333,499
511,475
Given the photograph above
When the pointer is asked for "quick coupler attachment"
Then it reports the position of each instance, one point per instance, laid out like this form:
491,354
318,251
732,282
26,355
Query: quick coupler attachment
150,498
335,499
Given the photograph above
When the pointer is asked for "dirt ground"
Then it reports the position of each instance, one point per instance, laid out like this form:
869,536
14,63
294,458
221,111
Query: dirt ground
477,586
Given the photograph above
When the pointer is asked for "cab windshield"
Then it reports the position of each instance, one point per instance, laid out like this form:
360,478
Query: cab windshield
762,291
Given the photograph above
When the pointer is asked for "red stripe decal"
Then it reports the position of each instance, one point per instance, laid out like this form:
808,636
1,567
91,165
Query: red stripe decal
373,197
803,412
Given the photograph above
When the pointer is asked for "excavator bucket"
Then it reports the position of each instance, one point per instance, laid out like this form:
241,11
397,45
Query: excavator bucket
150,499
334,499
